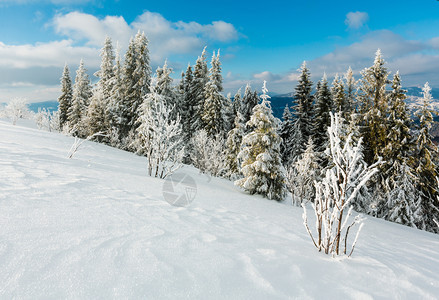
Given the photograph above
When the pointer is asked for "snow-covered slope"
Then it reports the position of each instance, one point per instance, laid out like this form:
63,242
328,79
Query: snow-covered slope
97,227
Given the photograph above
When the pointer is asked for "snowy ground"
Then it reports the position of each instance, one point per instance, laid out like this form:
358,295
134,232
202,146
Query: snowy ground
97,227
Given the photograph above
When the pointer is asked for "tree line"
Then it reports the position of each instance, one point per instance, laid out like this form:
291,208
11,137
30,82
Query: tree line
238,137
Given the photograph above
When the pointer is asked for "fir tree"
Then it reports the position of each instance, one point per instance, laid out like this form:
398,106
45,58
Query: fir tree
188,112
338,95
65,100
303,127
96,120
260,154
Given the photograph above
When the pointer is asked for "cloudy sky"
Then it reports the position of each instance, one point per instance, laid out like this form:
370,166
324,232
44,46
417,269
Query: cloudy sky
259,40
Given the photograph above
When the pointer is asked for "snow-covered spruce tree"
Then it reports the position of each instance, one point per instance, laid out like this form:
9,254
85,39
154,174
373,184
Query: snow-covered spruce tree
351,92
302,174
426,169
237,102
373,107
187,113
159,137
95,120
80,101
197,92
248,102
213,108
164,87
286,133
260,154
115,108
105,82
136,80
403,201
229,113
335,192
208,153
339,97
65,100
322,120
303,112
233,147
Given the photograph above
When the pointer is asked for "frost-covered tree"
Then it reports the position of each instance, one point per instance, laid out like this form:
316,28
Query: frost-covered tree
233,146
336,191
426,168
339,97
303,111
302,174
65,99
80,101
208,153
159,137
187,113
322,120
260,154
17,109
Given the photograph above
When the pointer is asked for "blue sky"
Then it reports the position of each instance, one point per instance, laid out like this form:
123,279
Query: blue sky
258,40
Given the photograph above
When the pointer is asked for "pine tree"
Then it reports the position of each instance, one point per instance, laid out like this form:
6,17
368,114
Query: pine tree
322,120
197,92
303,111
426,169
65,100
260,154
213,109
80,101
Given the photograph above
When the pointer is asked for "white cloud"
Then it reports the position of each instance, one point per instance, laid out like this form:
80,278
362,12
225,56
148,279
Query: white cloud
52,54
166,37
355,20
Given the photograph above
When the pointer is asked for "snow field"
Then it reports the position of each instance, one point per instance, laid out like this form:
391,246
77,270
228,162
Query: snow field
97,227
